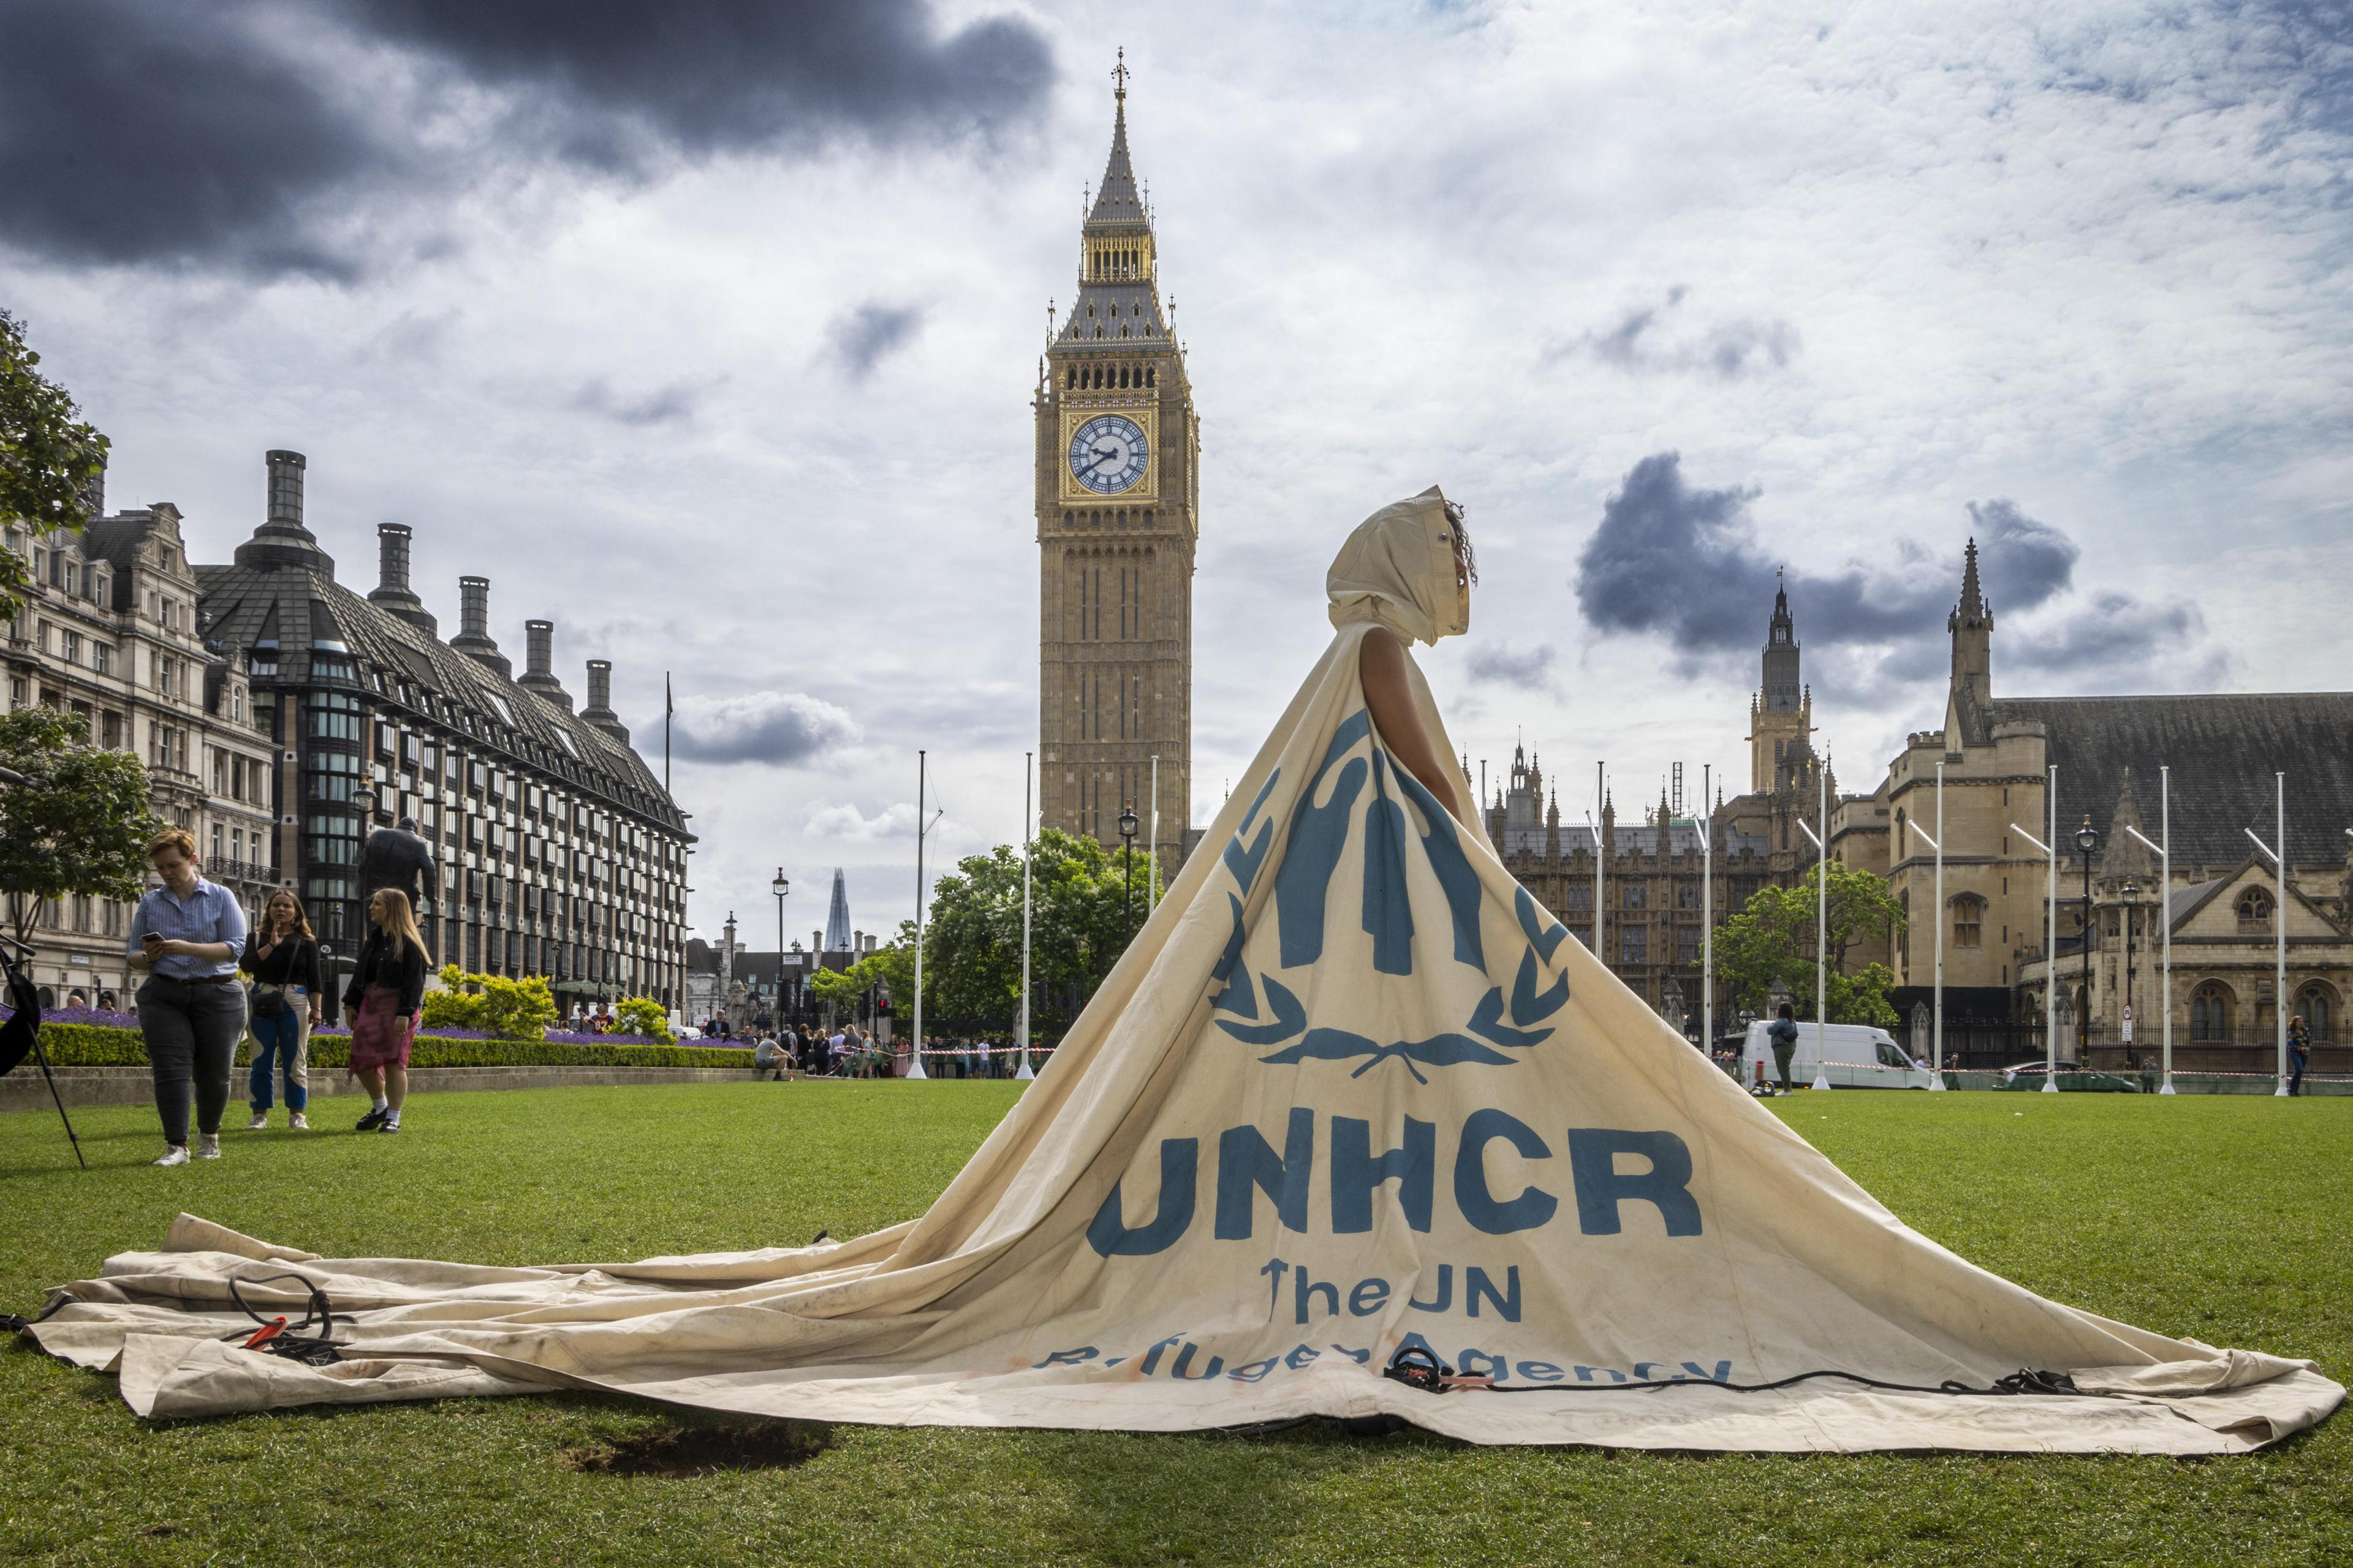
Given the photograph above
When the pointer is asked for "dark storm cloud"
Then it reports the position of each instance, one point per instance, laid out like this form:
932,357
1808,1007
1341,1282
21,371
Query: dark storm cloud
782,728
660,405
722,75
1530,669
2115,635
134,133
239,135
1682,561
1643,339
861,338
1682,564
2024,562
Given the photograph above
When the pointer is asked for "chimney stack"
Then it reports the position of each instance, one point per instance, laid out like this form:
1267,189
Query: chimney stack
392,590
282,539
286,487
539,673
599,710
473,638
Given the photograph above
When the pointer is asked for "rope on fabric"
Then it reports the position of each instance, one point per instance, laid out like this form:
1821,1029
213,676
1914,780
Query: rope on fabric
1419,1368
295,1341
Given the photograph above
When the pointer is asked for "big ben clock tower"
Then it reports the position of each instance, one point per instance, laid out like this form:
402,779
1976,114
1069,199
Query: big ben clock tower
1118,448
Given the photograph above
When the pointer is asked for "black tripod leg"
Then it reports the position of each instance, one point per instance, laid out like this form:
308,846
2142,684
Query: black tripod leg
42,1058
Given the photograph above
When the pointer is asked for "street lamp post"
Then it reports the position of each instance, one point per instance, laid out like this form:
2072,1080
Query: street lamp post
1127,869
781,887
2087,845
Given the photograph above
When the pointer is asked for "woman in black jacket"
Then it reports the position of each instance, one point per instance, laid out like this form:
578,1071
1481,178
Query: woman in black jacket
388,989
285,999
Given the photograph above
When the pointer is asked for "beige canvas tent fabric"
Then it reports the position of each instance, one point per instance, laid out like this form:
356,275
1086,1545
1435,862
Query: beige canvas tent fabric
1351,1089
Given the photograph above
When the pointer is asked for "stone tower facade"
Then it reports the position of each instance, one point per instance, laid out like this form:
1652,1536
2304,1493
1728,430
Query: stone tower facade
1781,716
1118,497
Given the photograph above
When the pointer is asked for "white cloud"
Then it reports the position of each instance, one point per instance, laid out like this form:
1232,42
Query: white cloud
895,821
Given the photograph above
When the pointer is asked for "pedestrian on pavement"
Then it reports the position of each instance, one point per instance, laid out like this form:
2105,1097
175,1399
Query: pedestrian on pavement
388,989
187,934
2299,1053
283,1005
1783,1033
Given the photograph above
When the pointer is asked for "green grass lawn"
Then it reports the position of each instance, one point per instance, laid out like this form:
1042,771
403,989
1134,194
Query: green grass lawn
2221,1218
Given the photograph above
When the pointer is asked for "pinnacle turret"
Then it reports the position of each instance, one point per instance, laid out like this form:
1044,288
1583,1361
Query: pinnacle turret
1972,610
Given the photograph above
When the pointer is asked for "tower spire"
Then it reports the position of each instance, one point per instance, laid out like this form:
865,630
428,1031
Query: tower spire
1972,607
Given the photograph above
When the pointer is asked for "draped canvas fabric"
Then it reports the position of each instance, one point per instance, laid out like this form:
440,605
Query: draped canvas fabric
1351,1089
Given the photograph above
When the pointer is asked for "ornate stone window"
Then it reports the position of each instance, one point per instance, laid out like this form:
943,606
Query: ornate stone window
1968,920
2211,1006
2254,912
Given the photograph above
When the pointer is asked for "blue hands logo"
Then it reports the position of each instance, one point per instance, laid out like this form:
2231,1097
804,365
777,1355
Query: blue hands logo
1301,883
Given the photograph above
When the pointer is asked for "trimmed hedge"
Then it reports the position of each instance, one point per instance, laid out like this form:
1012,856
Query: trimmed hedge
97,1045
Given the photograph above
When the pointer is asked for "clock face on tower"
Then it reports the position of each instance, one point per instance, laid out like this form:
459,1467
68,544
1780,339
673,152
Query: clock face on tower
1108,454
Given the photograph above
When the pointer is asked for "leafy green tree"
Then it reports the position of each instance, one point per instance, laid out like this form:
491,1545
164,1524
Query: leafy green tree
1773,938
1081,908
79,823
891,967
502,1008
643,1015
49,458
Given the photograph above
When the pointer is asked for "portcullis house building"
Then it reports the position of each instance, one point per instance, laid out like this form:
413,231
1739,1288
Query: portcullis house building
557,850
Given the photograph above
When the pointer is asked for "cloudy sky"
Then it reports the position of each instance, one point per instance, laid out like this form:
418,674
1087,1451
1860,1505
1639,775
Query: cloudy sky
709,330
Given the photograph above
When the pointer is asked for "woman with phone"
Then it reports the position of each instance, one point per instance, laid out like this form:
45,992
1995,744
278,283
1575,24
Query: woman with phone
187,935
284,1003
388,989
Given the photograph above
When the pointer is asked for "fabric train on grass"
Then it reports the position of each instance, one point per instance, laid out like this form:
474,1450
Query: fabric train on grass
1350,1092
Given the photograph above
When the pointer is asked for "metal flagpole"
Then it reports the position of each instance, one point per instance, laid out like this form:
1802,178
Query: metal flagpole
1821,935
915,1044
1029,818
2164,902
1937,844
1600,786
2050,939
1152,884
2279,930
2279,923
1706,909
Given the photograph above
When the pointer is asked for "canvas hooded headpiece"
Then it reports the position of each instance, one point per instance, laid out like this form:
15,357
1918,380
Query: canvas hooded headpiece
1399,568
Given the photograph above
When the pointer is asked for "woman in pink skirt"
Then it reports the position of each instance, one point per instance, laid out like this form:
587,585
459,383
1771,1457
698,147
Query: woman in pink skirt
386,990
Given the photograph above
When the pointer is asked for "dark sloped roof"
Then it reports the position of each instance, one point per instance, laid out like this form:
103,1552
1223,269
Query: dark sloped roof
2223,751
1118,203
301,607
1131,303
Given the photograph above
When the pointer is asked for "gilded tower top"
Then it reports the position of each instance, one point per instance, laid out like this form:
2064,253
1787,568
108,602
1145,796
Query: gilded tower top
1118,266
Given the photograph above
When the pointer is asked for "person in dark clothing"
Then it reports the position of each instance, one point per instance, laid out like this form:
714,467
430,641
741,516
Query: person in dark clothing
285,1002
187,934
1783,1034
397,858
2299,1053
386,990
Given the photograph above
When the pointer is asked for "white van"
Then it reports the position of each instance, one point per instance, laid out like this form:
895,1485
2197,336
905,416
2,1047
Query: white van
1860,1056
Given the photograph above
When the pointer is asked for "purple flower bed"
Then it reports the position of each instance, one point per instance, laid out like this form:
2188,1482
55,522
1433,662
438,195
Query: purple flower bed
106,1017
